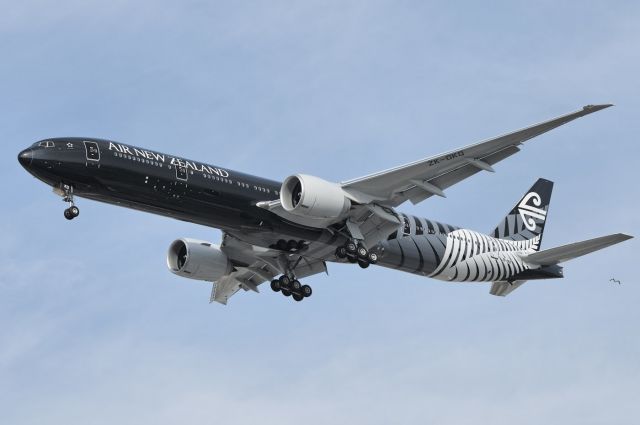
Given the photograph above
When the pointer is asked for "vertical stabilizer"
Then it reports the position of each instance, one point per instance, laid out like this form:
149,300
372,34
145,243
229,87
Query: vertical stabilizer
527,218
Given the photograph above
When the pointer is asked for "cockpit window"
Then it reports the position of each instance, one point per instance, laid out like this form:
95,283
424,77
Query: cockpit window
46,144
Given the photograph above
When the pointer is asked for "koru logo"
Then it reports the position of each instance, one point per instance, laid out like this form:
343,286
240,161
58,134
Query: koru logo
529,212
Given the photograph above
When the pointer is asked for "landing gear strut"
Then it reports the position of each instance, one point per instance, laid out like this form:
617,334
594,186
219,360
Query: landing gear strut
291,287
356,252
73,211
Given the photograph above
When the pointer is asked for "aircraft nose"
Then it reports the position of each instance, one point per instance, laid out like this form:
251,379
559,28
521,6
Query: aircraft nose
25,157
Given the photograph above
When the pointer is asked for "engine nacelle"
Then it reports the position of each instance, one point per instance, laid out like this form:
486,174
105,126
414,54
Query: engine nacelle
196,259
310,196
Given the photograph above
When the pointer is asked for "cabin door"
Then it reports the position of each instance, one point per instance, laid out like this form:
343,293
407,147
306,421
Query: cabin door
92,152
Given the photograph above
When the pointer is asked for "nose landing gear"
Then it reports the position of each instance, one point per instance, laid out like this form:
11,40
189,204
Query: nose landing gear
73,211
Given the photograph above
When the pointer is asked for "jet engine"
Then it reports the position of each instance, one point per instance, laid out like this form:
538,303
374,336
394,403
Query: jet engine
197,260
310,196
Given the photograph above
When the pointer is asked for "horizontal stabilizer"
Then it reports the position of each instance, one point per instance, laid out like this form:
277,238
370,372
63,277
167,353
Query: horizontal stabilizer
573,250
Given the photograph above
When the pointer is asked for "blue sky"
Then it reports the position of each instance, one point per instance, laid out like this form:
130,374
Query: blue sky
95,330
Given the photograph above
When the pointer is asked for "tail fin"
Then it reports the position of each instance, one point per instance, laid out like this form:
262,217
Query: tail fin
526,220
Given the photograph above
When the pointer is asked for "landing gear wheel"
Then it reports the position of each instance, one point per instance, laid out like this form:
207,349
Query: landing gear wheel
373,258
341,252
363,264
284,281
298,297
74,211
306,291
286,293
68,215
292,245
351,247
362,251
275,285
352,258
281,245
295,285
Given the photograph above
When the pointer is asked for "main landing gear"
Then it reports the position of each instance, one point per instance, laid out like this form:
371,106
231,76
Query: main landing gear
291,288
356,252
290,245
73,211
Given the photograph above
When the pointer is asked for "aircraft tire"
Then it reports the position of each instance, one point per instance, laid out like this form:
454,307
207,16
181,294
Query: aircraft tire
363,264
373,258
284,281
292,245
281,245
275,285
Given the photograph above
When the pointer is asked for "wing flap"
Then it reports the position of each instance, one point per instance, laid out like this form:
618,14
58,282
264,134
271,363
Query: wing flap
224,288
568,252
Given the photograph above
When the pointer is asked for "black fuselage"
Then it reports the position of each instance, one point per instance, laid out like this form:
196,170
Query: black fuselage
163,184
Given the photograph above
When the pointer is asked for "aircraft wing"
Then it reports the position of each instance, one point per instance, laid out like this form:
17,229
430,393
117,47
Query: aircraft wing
254,265
573,250
422,179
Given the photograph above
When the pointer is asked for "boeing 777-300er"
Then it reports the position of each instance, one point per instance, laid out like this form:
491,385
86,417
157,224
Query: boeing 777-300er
281,232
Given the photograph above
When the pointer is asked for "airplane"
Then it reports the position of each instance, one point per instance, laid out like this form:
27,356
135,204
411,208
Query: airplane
282,232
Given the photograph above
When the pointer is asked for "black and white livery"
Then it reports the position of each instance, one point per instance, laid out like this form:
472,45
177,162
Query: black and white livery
282,232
